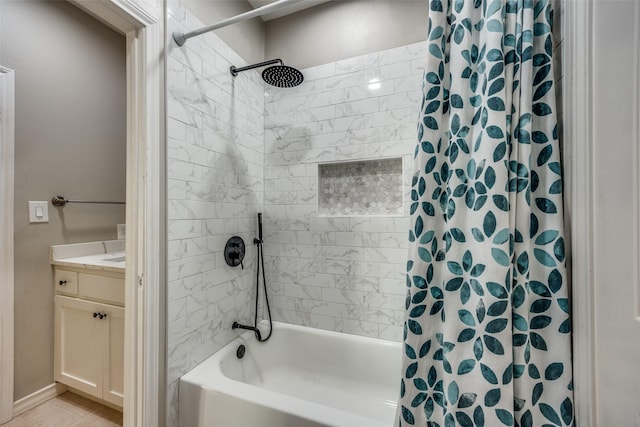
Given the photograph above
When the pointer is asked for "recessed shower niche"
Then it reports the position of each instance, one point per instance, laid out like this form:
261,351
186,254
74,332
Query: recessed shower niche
369,187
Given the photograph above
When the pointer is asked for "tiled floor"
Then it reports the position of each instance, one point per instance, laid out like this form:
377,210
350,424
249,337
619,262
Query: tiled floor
68,410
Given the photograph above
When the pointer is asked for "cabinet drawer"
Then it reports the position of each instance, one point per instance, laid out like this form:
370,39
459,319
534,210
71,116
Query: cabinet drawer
66,281
101,287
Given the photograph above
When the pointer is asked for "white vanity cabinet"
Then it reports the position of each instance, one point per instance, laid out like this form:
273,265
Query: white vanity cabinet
89,331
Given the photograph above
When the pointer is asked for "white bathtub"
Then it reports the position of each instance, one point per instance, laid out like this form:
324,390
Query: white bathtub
301,377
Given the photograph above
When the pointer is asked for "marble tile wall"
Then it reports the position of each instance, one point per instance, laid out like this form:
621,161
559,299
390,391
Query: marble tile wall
215,188
339,273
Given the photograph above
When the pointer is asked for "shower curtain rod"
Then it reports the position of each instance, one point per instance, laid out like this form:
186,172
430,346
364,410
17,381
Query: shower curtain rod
181,38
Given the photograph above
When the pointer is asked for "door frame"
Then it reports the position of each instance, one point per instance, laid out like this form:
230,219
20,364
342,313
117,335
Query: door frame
142,23
7,134
578,156
578,63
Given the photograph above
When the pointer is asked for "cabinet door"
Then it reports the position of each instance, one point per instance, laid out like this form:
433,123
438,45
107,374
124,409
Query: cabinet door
77,358
113,355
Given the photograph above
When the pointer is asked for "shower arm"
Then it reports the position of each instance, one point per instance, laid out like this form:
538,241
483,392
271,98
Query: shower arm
181,38
235,71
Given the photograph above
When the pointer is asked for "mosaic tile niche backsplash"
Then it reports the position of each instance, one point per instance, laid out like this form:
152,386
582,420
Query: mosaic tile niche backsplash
371,187
328,267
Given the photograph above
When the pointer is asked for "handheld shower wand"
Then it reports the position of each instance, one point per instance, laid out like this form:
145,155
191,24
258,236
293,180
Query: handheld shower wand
258,242
259,239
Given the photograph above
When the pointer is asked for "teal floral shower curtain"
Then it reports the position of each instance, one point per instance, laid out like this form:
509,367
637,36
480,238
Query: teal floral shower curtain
487,329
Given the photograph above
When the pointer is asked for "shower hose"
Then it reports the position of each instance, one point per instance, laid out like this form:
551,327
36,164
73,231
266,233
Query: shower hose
260,262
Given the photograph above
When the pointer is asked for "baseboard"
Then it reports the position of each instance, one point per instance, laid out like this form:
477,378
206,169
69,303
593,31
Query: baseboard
95,399
38,397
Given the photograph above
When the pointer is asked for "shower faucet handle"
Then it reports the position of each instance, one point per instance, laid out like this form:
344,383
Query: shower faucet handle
234,251
237,256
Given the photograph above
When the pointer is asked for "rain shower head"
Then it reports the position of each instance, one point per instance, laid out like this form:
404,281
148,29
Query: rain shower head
282,76
277,75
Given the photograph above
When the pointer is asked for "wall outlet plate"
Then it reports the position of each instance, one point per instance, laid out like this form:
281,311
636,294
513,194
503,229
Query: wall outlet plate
38,211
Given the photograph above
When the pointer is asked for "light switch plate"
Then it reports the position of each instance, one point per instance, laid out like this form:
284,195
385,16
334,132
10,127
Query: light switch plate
38,211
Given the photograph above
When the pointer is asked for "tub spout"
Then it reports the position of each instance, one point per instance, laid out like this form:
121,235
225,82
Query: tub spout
237,325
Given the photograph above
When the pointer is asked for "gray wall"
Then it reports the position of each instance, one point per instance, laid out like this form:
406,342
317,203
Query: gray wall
70,140
245,38
326,33
343,29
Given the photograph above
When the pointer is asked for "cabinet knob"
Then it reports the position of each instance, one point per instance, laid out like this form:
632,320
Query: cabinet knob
95,314
62,282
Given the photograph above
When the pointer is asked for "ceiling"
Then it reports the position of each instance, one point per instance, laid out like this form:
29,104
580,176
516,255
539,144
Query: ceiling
296,7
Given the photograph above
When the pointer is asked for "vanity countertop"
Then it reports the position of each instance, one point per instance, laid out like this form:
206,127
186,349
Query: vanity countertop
108,255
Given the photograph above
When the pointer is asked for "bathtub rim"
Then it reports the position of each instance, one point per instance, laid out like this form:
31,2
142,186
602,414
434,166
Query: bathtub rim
217,382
